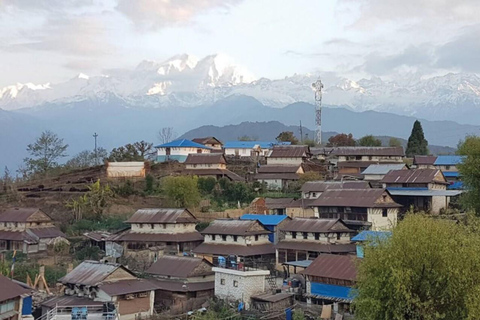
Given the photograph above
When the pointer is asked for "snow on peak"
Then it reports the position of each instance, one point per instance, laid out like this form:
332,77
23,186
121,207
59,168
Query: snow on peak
82,76
177,63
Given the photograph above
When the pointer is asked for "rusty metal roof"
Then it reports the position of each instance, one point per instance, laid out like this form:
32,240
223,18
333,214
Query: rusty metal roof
207,140
315,225
70,301
48,232
333,266
235,227
98,235
316,247
122,287
180,286
179,267
292,151
321,186
285,168
17,236
368,151
91,273
10,290
162,215
276,297
206,158
19,214
157,237
277,176
214,172
278,203
238,250
424,160
360,198
414,176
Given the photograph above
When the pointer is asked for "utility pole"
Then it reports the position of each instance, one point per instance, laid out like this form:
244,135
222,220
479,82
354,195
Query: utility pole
95,135
301,132
318,86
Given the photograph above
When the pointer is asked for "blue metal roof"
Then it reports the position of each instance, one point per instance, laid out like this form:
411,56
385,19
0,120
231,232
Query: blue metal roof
371,235
251,144
451,174
332,292
448,160
265,219
457,185
182,143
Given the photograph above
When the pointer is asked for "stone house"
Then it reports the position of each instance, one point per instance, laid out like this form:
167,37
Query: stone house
424,162
376,172
278,177
237,244
289,155
179,150
271,222
28,230
210,142
15,300
307,238
449,167
209,165
314,189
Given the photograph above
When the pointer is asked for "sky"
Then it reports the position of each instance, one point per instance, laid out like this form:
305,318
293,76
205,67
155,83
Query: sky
54,40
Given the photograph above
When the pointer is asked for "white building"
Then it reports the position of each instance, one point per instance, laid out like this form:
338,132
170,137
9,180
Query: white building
179,150
250,148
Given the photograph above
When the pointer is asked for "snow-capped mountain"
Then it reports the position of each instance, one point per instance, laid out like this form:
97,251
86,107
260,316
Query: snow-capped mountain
186,81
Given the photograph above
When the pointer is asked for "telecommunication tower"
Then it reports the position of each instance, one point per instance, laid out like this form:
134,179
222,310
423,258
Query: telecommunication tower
318,86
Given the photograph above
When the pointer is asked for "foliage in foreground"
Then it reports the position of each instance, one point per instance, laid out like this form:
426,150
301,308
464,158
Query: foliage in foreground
470,171
427,270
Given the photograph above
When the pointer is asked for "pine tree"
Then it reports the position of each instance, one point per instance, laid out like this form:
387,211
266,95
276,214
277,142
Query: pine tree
417,144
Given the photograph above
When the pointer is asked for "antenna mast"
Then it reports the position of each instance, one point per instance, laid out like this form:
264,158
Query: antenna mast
318,86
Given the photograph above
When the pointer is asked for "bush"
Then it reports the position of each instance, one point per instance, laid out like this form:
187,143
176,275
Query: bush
125,190
88,253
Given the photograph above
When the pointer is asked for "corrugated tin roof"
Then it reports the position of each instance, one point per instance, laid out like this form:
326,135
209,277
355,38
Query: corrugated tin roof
70,301
412,176
361,164
252,144
448,160
180,286
423,193
277,203
49,232
383,168
360,198
122,287
266,219
157,237
209,140
17,236
90,273
321,186
205,158
424,160
214,172
175,266
333,267
18,214
235,227
368,151
269,168
289,151
371,235
277,176
316,247
300,263
273,297
238,250
451,174
10,290
98,235
315,225
162,215
182,143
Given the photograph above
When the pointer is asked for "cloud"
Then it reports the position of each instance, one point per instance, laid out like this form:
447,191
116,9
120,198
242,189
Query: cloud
340,42
419,57
155,14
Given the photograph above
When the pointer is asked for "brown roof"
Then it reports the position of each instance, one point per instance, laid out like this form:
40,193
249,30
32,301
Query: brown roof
157,237
316,247
48,232
70,301
180,286
275,176
9,289
17,236
214,172
162,215
238,250
179,267
122,287
285,168
206,158
361,198
98,235
424,160
91,273
368,151
333,267
235,227
276,297
315,225
362,164
278,203
413,176
289,152
321,186
18,214
207,140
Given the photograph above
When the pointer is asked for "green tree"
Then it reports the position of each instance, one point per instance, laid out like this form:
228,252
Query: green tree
427,270
287,136
470,171
207,184
44,153
369,141
87,158
341,140
309,142
247,138
93,203
417,144
182,191
138,151
394,142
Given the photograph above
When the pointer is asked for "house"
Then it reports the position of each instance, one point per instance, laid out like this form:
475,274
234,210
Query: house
127,169
272,223
314,189
15,300
272,302
278,205
209,165
289,155
111,283
424,162
359,208
448,165
250,148
236,244
155,232
97,238
210,142
369,238
278,177
305,239
330,279
424,189
178,150
183,283
28,230
376,172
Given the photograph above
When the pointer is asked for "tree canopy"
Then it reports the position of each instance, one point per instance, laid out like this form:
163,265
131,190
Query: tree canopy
44,153
182,191
369,141
341,140
87,158
287,136
138,151
470,171
394,142
417,144
428,269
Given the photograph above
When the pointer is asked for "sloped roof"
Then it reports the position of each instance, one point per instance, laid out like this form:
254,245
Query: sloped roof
321,186
17,236
129,235
180,286
368,151
19,214
448,160
49,232
362,198
235,227
209,140
277,203
127,286
175,266
424,160
91,273
333,266
182,143
205,158
266,219
315,225
383,168
412,176
269,168
10,290
162,215
294,151
251,144
277,176
214,172
371,236
238,250
316,246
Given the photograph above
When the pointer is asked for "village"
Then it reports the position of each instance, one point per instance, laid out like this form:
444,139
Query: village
293,248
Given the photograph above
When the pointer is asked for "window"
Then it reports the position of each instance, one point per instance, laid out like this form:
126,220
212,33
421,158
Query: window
256,237
7,306
213,237
152,226
235,238
314,194
140,225
447,167
384,213
235,283
294,235
339,235
317,236
224,238
305,235
16,224
222,282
